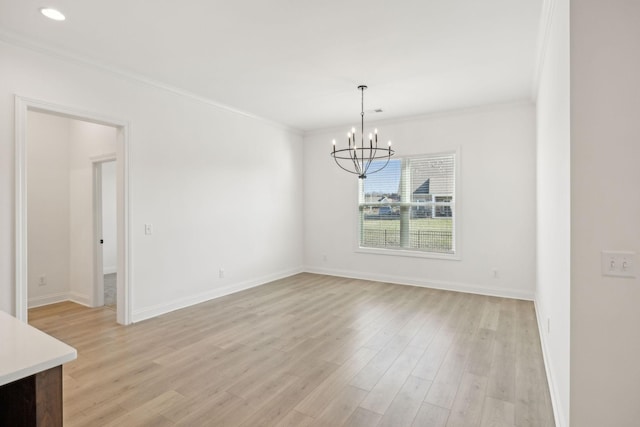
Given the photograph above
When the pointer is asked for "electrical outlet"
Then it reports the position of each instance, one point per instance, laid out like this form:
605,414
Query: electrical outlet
494,273
42,281
148,229
221,273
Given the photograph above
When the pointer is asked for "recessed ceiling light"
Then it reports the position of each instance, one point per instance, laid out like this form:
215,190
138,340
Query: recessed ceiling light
54,14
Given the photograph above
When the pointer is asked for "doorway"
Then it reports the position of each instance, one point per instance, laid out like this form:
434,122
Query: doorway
105,231
93,265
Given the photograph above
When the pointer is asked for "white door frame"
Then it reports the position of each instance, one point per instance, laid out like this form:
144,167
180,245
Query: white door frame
22,106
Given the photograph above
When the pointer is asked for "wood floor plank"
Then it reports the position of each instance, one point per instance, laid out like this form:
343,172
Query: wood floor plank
322,396
277,411
447,381
449,377
375,369
407,403
497,413
468,405
481,352
385,390
532,392
363,418
431,416
295,419
502,375
150,412
490,314
307,349
340,408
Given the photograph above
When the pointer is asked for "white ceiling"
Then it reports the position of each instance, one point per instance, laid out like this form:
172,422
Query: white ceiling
298,62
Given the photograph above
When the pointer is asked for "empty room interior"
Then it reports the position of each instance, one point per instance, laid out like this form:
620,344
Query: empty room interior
410,213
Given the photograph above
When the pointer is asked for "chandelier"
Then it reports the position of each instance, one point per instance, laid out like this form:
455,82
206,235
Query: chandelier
357,159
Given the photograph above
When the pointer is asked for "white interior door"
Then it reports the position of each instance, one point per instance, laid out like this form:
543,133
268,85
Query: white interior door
109,237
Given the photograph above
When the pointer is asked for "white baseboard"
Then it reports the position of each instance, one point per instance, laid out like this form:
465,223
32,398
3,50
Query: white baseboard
80,299
558,413
58,297
48,299
159,309
434,284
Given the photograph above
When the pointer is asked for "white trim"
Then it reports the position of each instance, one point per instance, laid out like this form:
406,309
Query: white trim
24,43
21,301
124,288
80,299
22,106
159,309
102,158
425,283
48,299
544,32
59,297
558,414
408,253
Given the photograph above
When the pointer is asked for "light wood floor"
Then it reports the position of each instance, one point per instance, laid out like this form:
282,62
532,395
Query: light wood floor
308,350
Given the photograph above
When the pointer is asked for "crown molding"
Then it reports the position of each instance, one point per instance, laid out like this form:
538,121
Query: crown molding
544,33
19,41
525,102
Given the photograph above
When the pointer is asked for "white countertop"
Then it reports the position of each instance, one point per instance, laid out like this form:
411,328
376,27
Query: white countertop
25,350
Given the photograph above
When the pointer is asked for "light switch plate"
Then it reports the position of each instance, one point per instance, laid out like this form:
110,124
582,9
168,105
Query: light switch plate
619,263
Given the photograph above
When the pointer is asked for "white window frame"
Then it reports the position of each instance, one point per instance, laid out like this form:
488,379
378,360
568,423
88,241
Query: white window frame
456,218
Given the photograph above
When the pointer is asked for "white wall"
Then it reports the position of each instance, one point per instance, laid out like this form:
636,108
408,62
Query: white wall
109,219
222,189
496,203
47,208
605,211
86,141
554,210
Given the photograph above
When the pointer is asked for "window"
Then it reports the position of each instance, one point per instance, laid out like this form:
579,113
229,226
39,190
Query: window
410,205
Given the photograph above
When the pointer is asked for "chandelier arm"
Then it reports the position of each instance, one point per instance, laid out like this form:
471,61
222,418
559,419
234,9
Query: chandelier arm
343,168
374,156
369,160
353,154
382,167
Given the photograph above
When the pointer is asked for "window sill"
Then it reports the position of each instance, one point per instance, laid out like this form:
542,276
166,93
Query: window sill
406,253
